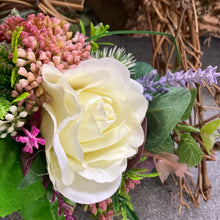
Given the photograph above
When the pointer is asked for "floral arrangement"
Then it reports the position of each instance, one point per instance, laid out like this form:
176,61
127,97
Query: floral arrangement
82,125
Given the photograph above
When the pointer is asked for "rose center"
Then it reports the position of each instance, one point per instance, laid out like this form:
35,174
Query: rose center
99,116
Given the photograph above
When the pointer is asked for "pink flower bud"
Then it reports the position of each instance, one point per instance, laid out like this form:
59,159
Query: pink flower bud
22,53
23,72
23,83
66,27
33,67
56,60
48,54
70,59
57,31
31,56
14,94
30,77
34,84
39,79
21,62
30,42
60,67
24,34
42,56
38,64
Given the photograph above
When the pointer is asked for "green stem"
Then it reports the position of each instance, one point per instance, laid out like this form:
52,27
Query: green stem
140,32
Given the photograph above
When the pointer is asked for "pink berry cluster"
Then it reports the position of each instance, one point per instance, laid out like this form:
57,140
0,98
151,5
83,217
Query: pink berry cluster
103,209
45,40
130,184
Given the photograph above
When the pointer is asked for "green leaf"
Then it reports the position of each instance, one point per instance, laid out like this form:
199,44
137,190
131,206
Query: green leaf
188,111
4,107
164,112
41,209
141,69
92,30
82,28
130,213
115,201
21,97
94,46
14,76
207,134
14,43
166,146
188,151
12,199
37,170
6,67
187,128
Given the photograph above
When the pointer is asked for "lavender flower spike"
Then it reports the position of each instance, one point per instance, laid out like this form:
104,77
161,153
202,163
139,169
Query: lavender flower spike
175,79
190,77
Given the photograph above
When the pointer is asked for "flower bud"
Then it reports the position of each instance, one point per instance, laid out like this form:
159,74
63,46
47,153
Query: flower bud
22,53
13,109
3,127
35,108
23,114
9,117
21,62
3,135
19,124
10,129
13,133
22,71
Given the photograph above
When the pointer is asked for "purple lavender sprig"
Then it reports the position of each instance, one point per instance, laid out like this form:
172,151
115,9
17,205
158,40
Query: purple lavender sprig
175,79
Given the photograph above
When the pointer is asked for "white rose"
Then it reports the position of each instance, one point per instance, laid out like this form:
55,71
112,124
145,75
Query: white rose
91,127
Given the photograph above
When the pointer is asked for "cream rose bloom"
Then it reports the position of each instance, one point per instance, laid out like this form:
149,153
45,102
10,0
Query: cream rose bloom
91,127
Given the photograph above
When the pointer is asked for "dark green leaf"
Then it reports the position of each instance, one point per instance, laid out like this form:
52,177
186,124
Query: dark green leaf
12,199
163,114
37,170
188,151
166,146
130,213
141,69
188,111
115,201
6,66
41,209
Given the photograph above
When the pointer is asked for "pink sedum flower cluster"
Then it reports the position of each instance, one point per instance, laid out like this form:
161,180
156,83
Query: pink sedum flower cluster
45,40
106,208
